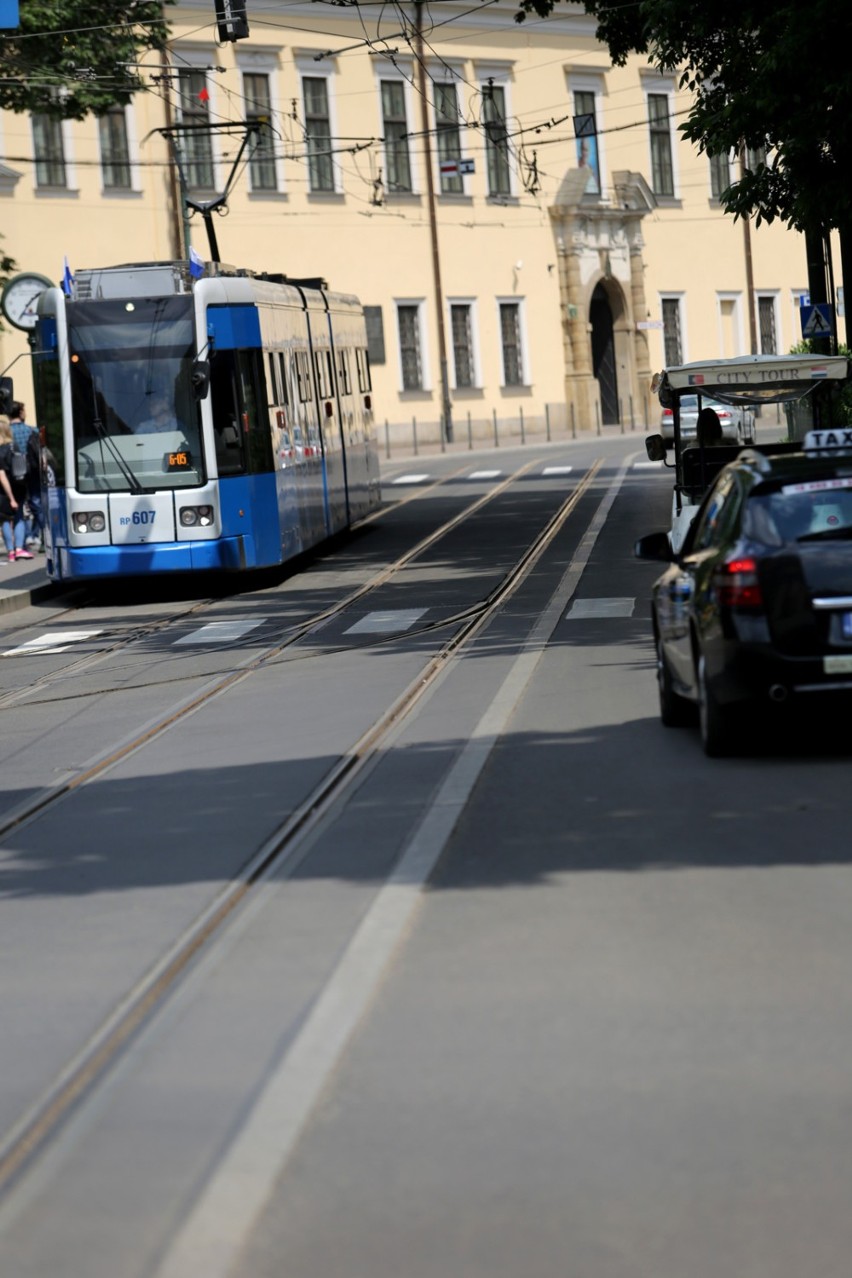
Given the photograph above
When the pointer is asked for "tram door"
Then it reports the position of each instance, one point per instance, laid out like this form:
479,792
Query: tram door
603,355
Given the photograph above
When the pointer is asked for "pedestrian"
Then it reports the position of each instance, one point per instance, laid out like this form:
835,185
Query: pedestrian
13,494
27,440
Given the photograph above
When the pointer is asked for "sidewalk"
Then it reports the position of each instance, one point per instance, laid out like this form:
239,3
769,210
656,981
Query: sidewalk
25,582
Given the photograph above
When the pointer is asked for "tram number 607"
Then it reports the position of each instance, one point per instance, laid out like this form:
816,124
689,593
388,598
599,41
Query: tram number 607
139,517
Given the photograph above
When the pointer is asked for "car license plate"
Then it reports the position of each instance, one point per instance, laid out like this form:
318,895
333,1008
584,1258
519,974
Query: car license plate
846,625
837,665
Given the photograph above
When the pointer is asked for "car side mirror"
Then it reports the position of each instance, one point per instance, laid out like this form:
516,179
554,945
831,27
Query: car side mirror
655,447
200,378
655,546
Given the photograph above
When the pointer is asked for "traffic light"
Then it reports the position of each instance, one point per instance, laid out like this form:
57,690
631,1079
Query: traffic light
231,19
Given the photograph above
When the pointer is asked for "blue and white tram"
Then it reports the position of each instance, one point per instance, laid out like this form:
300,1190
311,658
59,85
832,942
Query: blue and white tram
218,423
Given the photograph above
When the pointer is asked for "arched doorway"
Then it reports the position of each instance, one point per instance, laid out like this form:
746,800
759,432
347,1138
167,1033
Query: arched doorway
603,355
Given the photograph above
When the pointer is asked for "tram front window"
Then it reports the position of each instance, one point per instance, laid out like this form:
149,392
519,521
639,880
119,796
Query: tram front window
137,424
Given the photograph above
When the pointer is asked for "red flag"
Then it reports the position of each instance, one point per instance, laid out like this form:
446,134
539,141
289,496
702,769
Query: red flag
204,96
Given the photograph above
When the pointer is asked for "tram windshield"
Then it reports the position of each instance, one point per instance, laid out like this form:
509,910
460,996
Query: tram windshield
137,424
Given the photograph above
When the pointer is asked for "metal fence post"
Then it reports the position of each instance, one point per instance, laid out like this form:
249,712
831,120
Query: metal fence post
469,433
621,414
414,433
632,418
443,439
547,421
387,438
496,436
523,432
598,415
573,422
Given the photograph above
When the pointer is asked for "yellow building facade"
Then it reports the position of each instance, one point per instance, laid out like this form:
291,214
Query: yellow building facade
528,231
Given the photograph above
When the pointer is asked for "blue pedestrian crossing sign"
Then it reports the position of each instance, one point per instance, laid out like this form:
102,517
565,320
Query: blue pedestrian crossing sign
817,320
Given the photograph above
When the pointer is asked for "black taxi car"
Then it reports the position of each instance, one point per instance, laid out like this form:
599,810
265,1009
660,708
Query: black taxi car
754,613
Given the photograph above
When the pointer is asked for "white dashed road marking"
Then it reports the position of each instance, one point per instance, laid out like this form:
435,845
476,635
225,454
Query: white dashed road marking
557,470
583,609
649,465
485,474
58,641
379,623
221,631
410,479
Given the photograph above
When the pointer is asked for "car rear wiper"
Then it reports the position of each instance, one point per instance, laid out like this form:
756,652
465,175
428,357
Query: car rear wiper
828,534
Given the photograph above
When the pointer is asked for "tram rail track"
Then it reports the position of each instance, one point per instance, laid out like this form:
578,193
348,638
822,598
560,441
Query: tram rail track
280,852
89,661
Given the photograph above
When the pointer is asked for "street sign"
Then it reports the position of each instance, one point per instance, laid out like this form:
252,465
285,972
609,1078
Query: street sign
816,320
10,18
466,166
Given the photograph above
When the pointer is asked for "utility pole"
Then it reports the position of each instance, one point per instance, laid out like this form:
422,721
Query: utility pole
749,268
177,193
446,402
815,247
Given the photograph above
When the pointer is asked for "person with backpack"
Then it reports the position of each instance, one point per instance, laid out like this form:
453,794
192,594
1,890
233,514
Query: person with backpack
26,440
13,494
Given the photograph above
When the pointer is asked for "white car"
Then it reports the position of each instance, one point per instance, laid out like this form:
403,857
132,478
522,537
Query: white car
737,423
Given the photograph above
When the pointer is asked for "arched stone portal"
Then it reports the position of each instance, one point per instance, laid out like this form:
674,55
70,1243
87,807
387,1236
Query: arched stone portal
602,298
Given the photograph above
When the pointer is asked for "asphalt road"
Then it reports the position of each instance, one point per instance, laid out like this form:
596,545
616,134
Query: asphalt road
545,992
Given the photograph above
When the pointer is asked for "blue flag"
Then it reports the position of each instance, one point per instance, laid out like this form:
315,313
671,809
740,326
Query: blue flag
196,264
67,279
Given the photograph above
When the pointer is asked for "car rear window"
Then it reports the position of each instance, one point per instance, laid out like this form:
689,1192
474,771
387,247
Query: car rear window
793,511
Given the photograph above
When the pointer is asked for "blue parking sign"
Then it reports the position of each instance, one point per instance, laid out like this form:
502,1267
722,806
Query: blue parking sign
10,17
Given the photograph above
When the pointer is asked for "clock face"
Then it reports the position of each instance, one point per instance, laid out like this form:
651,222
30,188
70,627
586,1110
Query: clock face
20,299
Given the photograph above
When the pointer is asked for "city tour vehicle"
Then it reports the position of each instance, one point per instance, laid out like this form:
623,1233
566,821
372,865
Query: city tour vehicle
806,388
212,420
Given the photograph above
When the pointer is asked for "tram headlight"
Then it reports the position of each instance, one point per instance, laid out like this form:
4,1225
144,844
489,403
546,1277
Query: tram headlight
89,521
196,516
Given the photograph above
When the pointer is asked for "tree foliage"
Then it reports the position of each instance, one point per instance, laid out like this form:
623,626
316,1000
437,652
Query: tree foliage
70,58
764,73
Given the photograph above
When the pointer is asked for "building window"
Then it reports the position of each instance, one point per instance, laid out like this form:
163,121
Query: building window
662,173
510,340
408,321
197,143
259,112
672,341
318,133
395,128
754,157
766,326
49,151
720,174
115,152
461,324
448,136
587,142
496,140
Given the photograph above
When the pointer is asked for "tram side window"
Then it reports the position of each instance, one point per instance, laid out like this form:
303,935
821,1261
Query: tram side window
282,379
253,404
49,402
362,364
273,386
303,376
343,379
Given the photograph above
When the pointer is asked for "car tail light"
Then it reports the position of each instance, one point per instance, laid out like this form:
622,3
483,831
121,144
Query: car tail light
737,585
667,412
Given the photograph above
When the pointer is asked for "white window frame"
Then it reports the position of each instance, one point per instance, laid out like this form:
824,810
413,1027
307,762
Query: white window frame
656,87
251,63
674,295
199,59
731,175
448,72
307,66
475,358
730,295
596,84
70,187
401,72
526,376
773,295
501,74
135,188
426,373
